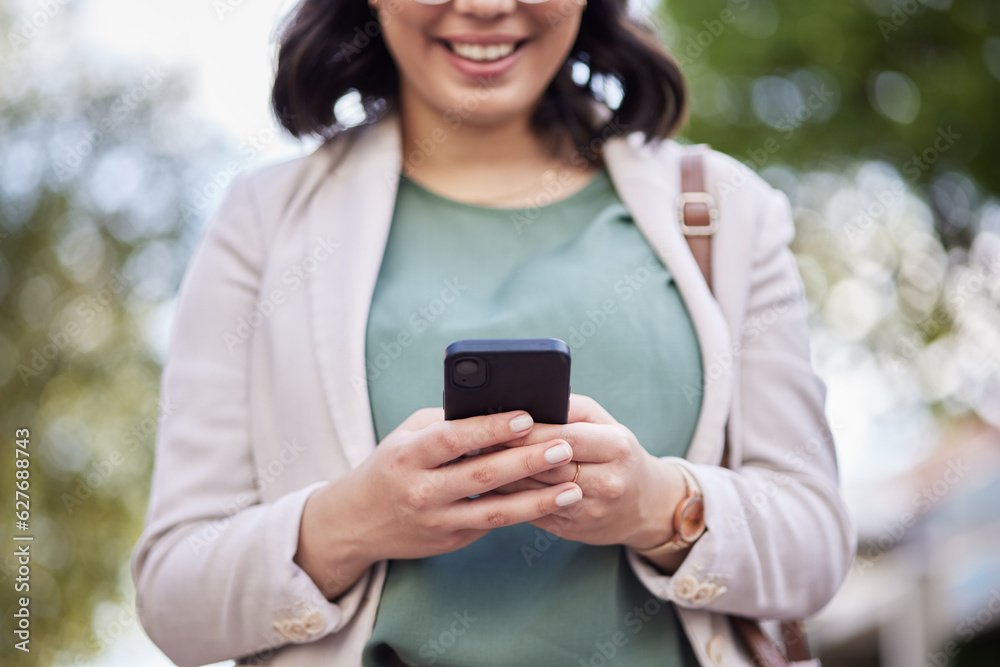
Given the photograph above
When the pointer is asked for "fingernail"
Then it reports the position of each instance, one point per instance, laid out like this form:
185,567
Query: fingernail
520,423
569,497
558,453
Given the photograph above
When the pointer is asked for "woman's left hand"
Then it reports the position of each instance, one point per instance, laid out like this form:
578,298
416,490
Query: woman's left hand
629,495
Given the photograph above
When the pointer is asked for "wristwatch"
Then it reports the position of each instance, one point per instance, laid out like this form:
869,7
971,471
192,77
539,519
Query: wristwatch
689,520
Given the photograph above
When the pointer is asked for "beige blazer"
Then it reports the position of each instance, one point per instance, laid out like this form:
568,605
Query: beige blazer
265,400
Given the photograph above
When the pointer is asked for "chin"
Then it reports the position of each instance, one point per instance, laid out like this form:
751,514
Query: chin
488,106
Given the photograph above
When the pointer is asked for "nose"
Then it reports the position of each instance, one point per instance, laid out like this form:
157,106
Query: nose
485,9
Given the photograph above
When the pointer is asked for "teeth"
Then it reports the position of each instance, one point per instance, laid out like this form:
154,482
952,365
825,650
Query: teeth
482,53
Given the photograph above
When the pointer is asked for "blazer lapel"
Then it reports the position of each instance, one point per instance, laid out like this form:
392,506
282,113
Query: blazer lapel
648,186
354,207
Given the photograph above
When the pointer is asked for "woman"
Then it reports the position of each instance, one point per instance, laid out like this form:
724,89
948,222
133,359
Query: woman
490,195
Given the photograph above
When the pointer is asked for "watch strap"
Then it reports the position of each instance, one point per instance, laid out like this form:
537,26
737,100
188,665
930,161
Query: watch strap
676,543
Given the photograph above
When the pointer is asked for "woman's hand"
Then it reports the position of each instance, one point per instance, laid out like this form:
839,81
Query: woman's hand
410,498
629,495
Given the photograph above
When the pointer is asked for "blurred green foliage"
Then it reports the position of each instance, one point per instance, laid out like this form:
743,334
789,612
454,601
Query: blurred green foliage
878,118
94,166
862,79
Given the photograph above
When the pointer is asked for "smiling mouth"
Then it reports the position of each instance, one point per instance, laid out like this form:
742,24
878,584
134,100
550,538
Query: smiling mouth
482,53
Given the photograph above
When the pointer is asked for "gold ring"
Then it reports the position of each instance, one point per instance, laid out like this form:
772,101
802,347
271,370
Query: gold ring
577,475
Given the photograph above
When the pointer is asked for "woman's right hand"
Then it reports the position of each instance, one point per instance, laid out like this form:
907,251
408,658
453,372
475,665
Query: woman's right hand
408,500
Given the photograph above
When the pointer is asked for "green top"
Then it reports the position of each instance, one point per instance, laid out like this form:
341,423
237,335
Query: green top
576,269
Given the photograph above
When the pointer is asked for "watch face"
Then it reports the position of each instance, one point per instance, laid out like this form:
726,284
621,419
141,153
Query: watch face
692,523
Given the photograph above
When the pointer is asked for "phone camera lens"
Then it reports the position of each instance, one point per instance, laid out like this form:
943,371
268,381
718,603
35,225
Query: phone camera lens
469,373
467,367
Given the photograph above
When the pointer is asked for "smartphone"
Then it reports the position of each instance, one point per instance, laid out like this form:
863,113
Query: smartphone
488,376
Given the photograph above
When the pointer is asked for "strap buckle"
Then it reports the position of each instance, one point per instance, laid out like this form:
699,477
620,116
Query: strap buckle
685,198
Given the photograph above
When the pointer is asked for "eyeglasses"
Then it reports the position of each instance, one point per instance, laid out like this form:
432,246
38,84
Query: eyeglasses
441,2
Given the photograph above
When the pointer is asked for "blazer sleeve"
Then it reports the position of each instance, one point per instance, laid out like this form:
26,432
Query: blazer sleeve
779,541
213,569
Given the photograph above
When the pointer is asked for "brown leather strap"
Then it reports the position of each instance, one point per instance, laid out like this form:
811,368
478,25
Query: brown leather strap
699,220
793,635
763,650
695,216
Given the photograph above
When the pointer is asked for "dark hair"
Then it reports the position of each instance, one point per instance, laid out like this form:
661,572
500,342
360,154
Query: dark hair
329,48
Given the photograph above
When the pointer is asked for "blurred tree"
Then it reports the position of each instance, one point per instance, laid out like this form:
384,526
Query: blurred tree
94,169
878,119
914,83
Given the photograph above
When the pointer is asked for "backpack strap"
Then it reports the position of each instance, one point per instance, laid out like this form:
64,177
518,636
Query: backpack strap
698,217
696,210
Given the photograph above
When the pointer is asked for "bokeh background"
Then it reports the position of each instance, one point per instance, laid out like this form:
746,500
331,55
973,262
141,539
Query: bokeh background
121,124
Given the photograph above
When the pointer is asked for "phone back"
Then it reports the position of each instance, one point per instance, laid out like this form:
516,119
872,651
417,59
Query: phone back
488,376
